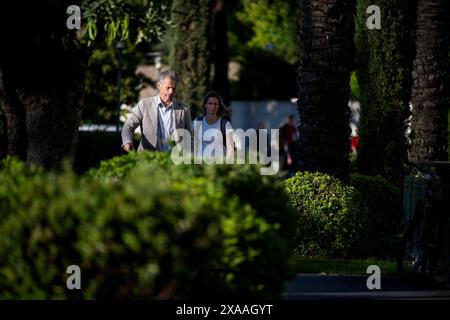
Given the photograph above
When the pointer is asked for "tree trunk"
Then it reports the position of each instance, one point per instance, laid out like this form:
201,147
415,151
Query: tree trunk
220,50
430,92
326,59
41,84
3,136
190,51
14,116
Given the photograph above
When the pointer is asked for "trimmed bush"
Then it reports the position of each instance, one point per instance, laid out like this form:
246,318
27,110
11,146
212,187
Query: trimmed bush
156,233
262,193
331,221
121,166
265,195
384,203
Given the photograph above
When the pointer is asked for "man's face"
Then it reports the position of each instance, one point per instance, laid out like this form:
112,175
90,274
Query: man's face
166,90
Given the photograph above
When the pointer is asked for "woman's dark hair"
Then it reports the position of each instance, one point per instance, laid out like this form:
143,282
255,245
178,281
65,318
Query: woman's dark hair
224,111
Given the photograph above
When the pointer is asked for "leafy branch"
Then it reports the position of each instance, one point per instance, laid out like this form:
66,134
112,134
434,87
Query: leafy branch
114,20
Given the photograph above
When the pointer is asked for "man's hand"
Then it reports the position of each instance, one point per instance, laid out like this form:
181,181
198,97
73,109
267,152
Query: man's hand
128,147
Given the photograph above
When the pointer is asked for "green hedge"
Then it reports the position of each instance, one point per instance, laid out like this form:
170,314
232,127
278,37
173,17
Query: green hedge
160,232
121,166
331,221
384,60
384,202
263,193
362,219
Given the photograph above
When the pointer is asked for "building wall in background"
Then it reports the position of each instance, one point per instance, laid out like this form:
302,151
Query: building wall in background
248,114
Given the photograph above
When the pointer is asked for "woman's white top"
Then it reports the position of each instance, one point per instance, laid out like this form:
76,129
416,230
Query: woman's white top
209,138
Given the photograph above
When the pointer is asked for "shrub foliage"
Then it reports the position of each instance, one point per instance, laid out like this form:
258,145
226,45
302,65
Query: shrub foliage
331,221
143,231
362,219
384,203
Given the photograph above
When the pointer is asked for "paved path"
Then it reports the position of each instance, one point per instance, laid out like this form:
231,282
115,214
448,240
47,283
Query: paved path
334,287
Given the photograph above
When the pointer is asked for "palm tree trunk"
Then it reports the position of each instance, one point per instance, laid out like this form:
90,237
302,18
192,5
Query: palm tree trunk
430,92
326,59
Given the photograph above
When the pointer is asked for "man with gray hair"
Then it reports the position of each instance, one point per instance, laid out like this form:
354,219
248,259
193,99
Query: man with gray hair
158,116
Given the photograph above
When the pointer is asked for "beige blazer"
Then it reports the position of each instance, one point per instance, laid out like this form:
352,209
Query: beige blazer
145,114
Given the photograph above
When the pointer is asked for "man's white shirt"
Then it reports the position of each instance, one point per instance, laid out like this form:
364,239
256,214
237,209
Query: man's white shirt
165,124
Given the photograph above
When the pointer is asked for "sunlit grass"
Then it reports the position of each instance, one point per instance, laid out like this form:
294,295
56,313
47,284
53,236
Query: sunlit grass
342,267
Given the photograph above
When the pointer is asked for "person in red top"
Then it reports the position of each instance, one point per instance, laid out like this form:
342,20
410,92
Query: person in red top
288,134
355,142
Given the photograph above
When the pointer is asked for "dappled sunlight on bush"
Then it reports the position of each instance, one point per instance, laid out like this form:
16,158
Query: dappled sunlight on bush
140,227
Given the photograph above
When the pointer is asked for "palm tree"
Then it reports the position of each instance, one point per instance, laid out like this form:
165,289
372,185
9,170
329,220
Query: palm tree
326,59
430,94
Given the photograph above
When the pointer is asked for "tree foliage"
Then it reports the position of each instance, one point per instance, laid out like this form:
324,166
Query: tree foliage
263,41
42,89
259,75
273,26
384,61
101,80
139,25
135,20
